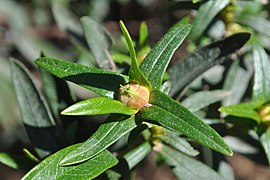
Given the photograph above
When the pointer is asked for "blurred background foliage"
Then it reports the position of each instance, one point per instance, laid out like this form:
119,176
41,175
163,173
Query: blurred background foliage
29,28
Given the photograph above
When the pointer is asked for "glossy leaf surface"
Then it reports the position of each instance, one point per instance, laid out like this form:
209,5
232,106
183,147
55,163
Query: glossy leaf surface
188,69
109,132
102,82
245,110
134,73
265,141
172,115
37,119
155,63
236,74
99,41
178,143
185,167
136,155
202,99
95,106
206,14
261,87
50,168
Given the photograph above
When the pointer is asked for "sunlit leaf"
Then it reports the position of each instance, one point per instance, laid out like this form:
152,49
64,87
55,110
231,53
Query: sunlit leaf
109,132
134,73
245,110
157,60
102,82
172,115
50,168
95,106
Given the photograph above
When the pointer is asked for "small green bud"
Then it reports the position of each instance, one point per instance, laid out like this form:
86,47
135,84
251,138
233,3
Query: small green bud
134,95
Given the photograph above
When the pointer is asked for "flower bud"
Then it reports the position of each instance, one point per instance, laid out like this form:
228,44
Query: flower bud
264,113
134,95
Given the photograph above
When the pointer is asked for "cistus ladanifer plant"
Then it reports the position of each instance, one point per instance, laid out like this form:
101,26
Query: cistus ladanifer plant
140,103
135,104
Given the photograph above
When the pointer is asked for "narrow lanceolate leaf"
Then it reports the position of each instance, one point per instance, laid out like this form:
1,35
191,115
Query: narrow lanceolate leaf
172,115
265,141
186,70
95,106
157,60
50,168
205,15
136,155
99,41
134,73
235,75
258,23
202,99
245,110
143,35
109,132
102,82
185,167
35,113
261,87
65,19
172,139
16,162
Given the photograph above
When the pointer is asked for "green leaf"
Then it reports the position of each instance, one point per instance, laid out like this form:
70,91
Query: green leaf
196,1
136,155
50,168
143,34
258,23
185,167
202,99
134,73
245,110
185,71
102,82
65,19
235,75
95,106
121,58
50,91
206,14
16,162
265,141
172,115
37,118
155,63
99,41
261,87
109,132
178,143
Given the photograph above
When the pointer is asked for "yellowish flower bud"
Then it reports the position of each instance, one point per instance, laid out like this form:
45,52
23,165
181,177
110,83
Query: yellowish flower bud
134,95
